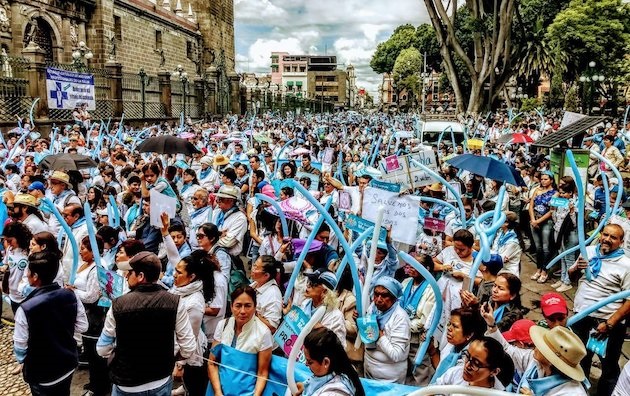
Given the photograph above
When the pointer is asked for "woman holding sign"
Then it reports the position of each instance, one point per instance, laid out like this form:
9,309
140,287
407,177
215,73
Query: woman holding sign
246,333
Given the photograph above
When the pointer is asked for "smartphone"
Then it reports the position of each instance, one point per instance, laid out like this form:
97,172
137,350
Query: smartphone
466,283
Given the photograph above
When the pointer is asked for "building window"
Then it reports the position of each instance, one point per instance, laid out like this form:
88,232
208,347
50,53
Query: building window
117,28
158,40
287,69
189,49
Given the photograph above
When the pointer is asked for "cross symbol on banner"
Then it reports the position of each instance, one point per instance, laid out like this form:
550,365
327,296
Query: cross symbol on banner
59,94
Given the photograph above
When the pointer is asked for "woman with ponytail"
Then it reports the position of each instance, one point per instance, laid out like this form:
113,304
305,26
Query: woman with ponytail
333,373
265,274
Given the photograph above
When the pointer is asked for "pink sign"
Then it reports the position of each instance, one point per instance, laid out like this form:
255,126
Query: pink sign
431,223
392,164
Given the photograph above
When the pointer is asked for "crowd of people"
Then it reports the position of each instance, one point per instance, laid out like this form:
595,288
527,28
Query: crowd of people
215,278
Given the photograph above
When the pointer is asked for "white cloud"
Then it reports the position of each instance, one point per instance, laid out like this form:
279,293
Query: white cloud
258,57
257,10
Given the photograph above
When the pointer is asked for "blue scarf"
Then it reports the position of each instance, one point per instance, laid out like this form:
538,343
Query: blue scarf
186,186
78,224
409,300
540,386
131,215
197,212
506,237
498,313
449,361
314,383
61,196
204,173
595,263
469,222
383,317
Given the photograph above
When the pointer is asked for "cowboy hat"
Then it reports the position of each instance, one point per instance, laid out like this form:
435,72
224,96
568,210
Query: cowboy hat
436,187
220,160
25,199
62,177
562,348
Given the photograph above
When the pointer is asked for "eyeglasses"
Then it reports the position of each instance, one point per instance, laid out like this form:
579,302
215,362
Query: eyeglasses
200,236
474,364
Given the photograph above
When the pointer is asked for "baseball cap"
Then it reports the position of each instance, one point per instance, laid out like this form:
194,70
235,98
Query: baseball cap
37,185
552,303
323,277
520,331
494,264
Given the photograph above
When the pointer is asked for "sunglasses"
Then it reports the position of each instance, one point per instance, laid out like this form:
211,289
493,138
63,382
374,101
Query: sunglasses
201,236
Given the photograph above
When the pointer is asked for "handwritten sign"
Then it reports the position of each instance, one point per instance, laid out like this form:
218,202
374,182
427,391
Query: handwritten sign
431,223
393,187
359,224
313,178
401,212
286,335
408,174
329,154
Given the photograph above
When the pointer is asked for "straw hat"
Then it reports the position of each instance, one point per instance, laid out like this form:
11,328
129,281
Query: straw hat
437,187
220,160
62,177
562,348
25,199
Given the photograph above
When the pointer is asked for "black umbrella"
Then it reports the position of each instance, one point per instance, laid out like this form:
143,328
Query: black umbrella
65,161
167,144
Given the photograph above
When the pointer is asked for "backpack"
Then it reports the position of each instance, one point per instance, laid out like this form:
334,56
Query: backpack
237,272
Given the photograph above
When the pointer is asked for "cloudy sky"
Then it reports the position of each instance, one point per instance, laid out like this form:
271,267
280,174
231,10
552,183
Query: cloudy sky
350,29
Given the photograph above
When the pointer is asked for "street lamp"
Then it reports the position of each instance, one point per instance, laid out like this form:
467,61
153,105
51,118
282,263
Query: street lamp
590,76
79,53
180,73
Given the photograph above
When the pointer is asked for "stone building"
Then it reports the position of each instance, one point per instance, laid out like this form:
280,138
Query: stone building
125,36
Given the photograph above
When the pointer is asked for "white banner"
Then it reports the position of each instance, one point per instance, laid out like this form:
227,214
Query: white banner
408,174
401,213
67,90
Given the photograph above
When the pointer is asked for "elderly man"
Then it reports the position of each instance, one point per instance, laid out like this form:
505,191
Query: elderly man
63,195
75,217
386,360
607,272
201,214
145,328
229,219
208,177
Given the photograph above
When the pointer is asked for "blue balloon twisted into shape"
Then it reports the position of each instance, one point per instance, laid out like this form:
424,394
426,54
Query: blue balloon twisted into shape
358,241
47,206
92,234
607,213
304,252
340,169
335,228
377,147
437,311
622,295
114,218
283,218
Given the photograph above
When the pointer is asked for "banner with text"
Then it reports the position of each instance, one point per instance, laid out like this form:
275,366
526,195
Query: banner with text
401,212
402,171
68,89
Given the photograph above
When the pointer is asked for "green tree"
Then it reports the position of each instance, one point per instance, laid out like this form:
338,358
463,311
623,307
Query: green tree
386,52
571,99
406,70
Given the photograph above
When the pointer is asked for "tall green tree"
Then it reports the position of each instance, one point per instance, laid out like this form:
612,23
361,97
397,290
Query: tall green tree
386,52
407,70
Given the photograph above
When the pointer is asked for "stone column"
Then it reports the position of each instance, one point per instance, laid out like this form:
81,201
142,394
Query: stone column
37,79
211,80
235,99
199,94
114,71
164,78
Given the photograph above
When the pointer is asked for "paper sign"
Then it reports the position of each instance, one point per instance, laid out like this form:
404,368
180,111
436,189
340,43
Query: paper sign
408,174
286,335
393,187
111,285
161,203
358,224
329,154
449,194
392,164
431,223
401,212
558,202
314,179
345,201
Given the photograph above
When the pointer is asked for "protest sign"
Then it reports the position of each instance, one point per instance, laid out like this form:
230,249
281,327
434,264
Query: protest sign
408,174
558,202
358,224
449,194
431,223
286,335
393,187
392,164
401,212
418,176
68,89
313,177
161,203
329,154
111,285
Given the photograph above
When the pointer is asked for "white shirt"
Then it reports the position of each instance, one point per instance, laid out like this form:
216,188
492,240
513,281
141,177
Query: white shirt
35,224
219,301
269,302
454,376
236,226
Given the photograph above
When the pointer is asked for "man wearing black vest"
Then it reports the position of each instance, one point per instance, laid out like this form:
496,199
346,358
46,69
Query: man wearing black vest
139,330
45,324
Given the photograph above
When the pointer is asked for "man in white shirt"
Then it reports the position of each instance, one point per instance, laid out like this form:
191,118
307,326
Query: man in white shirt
229,219
75,217
607,273
62,194
25,210
201,214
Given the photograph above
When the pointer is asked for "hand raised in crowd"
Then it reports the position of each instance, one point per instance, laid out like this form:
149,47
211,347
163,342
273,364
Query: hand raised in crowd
487,313
468,298
166,222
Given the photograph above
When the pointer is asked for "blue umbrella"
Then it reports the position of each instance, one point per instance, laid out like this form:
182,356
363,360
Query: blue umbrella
487,167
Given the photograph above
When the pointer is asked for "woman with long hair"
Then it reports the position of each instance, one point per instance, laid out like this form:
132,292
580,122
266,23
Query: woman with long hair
95,197
245,332
506,300
207,237
541,223
189,187
333,373
565,230
16,239
194,283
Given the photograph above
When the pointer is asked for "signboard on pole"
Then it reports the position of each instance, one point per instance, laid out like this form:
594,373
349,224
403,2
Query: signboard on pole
407,173
67,89
401,212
